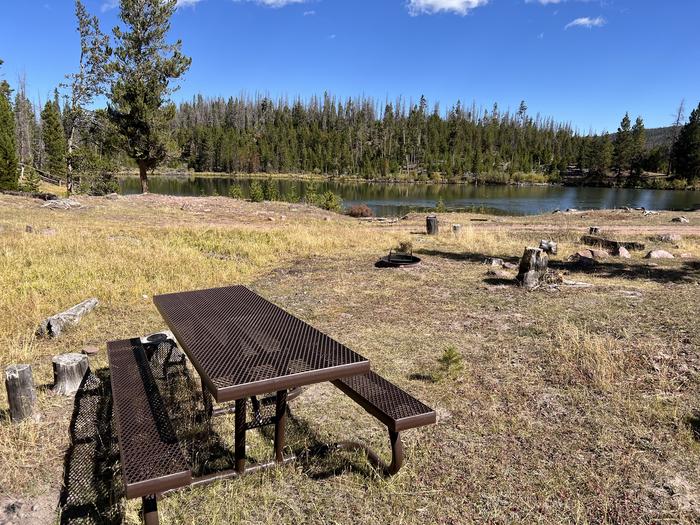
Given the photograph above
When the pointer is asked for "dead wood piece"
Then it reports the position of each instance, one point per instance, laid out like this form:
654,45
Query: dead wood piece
54,325
610,245
21,395
533,267
68,373
549,247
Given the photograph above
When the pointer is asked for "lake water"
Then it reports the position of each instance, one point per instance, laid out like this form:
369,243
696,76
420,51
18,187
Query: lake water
397,199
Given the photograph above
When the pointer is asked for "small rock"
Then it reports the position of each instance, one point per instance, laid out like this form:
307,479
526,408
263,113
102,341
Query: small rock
686,255
622,252
112,196
48,231
499,274
510,266
669,237
90,350
658,254
283,217
493,261
682,219
271,219
650,212
327,219
571,210
29,229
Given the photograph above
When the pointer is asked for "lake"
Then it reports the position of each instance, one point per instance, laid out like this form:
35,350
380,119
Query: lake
397,199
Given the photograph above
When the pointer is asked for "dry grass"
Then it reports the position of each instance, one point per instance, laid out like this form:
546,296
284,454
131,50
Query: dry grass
570,405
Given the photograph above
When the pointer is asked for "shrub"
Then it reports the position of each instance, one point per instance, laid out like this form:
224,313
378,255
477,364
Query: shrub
30,182
440,207
256,192
235,191
450,362
291,195
405,247
331,202
360,210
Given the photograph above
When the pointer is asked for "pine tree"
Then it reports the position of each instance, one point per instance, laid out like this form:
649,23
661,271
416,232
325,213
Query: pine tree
686,150
8,154
54,140
145,65
638,146
88,83
622,157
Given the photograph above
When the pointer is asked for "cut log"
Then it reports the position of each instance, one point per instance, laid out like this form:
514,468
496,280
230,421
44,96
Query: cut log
593,230
457,230
68,373
549,247
611,245
431,223
54,325
533,267
21,394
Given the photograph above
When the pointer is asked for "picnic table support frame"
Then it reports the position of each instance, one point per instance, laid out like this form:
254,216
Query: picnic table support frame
397,456
240,435
150,510
280,424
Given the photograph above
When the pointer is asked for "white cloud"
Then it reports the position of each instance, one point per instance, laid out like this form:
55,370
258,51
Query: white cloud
274,3
587,22
309,13
429,7
187,3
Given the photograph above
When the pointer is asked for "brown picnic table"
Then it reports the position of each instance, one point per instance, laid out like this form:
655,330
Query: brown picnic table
242,346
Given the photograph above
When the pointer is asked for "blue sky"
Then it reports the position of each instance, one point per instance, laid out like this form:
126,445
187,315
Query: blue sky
580,61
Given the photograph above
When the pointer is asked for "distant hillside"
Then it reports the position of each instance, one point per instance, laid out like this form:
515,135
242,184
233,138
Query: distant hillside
659,137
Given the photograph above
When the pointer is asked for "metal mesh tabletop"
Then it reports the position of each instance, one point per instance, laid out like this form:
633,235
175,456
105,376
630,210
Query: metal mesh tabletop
243,345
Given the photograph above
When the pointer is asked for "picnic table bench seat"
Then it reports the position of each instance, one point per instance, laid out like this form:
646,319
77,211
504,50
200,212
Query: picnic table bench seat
392,406
151,459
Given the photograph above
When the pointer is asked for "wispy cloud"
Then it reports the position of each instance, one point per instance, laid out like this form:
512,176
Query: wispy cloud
430,7
587,22
309,13
274,3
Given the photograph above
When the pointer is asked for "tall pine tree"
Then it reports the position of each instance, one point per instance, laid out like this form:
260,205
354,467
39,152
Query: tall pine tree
54,140
9,172
686,150
145,65
622,156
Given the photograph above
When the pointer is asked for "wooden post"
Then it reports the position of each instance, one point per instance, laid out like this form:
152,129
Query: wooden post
54,325
21,395
68,373
533,266
431,223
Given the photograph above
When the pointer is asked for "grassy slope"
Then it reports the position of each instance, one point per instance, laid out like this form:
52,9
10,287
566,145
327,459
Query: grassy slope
572,405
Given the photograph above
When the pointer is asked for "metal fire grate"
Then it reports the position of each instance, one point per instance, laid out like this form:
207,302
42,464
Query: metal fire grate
243,345
151,458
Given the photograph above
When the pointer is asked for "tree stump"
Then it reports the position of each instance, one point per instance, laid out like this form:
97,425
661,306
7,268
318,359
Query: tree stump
533,267
68,373
593,230
431,223
54,325
21,395
457,230
550,247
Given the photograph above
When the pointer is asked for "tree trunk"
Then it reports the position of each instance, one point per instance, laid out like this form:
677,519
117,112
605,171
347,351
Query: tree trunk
143,174
69,177
68,373
533,266
21,395
431,224
54,325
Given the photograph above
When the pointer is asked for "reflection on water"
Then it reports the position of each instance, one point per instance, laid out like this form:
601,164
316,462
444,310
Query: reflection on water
397,199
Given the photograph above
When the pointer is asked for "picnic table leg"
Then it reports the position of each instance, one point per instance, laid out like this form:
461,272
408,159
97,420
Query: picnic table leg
150,510
280,424
240,435
208,402
396,453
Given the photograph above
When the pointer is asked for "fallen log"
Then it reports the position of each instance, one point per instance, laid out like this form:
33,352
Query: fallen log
68,373
610,245
54,325
21,395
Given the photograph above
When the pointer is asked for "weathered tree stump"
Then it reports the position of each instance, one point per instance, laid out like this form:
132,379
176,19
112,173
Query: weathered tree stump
549,247
593,230
54,325
21,394
68,373
457,230
533,267
431,223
